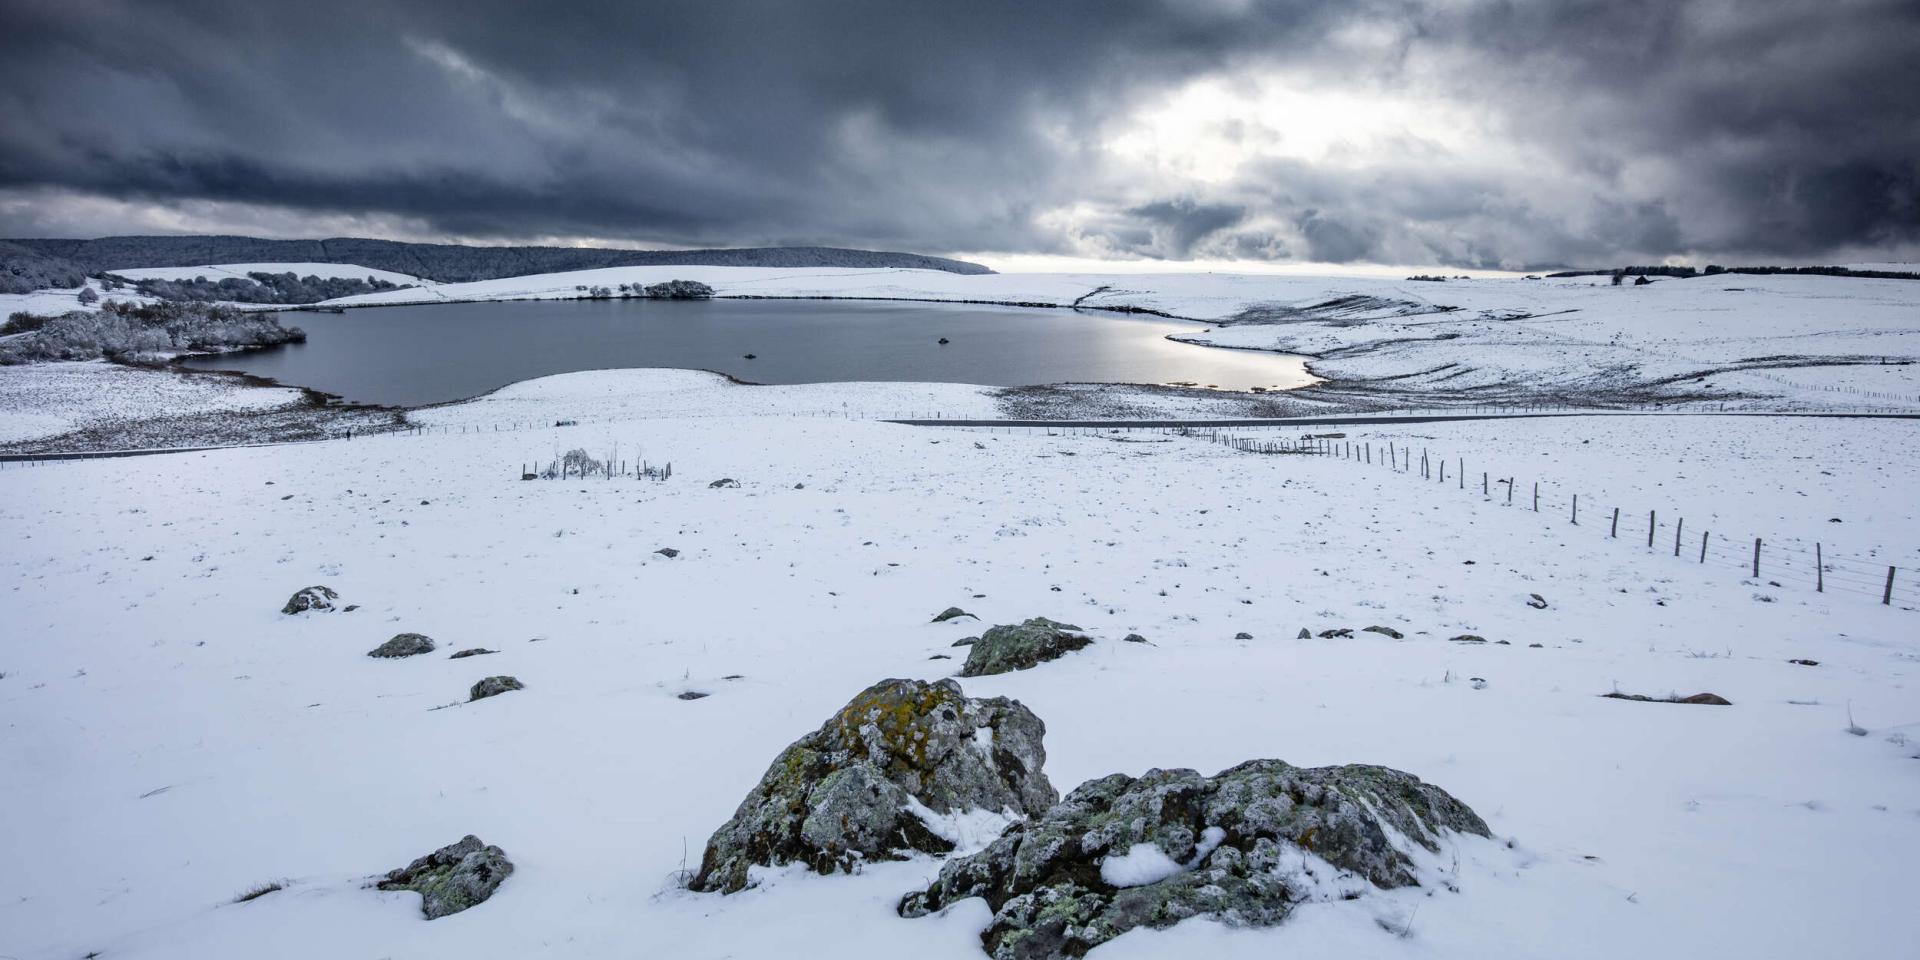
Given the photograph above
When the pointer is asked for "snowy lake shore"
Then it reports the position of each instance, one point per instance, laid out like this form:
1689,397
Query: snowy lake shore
1747,342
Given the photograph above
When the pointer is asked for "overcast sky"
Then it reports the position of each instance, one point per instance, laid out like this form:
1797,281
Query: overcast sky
1467,134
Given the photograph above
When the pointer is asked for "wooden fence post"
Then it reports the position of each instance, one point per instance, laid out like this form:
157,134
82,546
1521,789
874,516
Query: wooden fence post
1536,496
1756,558
1614,532
1886,596
1576,509
1678,525
1484,488
1650,526
1704,534
1819,570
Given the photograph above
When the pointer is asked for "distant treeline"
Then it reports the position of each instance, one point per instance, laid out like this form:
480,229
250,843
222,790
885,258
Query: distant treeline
447,263
1715,270
261,287
23,270
121,330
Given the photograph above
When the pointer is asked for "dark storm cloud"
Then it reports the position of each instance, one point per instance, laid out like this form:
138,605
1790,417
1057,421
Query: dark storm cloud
1175,226
1778,128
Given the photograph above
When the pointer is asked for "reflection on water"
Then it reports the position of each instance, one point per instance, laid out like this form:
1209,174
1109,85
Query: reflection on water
434,353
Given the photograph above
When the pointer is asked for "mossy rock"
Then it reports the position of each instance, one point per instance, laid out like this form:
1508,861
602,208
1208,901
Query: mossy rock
849,793
1022,646
454,877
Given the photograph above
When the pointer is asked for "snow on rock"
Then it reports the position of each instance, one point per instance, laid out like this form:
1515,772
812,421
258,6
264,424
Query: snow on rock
1173,845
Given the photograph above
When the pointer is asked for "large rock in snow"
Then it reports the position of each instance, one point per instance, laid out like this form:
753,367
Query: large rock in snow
1019,646
454,877
857,788
1244,847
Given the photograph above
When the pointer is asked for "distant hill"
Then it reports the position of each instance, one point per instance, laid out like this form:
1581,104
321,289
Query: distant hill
446,262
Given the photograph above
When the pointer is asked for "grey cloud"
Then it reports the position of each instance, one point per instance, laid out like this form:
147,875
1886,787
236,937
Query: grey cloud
1677,128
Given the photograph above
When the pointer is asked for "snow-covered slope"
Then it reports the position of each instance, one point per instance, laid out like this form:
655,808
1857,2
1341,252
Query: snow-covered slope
174,741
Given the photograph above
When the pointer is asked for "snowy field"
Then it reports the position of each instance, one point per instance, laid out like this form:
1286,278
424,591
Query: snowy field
175,741
48,399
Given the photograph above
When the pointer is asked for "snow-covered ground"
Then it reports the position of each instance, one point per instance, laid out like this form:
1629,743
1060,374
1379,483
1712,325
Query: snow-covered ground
48,399
1797,341
174,741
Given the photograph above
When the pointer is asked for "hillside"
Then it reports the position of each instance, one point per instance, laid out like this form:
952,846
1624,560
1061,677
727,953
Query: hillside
445,262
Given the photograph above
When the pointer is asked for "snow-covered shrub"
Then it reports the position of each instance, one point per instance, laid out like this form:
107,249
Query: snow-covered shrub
576,463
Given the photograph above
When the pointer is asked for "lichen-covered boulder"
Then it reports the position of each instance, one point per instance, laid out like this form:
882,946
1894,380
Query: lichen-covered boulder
493,687
310,598
1019,646
403,645
1244,847
861,788
454,877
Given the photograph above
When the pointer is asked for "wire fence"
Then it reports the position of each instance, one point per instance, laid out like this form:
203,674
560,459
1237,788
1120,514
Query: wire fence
1785,562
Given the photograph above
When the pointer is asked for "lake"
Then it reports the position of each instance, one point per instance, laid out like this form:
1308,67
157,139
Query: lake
409,356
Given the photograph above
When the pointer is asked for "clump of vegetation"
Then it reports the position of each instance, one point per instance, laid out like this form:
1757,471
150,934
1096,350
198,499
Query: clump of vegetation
679,290
263,287
123,331
257,891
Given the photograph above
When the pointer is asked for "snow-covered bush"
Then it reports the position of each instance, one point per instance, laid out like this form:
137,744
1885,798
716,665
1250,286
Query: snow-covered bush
576,463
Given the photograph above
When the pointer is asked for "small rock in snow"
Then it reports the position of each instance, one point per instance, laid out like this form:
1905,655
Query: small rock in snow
668,552
472,652
403,645
1243,635
493,687
951,613
309,598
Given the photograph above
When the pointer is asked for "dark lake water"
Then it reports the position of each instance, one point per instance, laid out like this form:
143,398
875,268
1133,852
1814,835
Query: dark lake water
433,353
